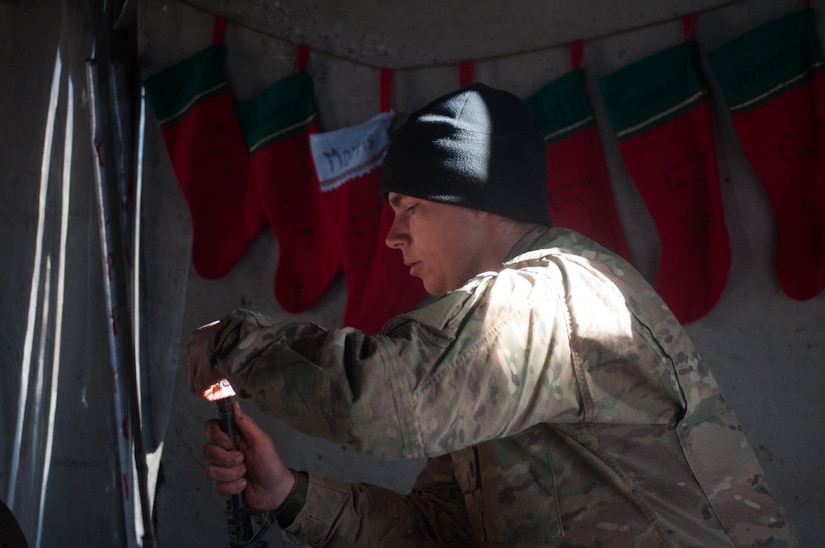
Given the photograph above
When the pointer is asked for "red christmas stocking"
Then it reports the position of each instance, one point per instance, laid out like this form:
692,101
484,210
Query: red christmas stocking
348,165
577,181
388,289
347,162
659,110
196,112
774,84
277,124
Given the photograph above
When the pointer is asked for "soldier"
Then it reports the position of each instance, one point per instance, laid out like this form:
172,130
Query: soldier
557,399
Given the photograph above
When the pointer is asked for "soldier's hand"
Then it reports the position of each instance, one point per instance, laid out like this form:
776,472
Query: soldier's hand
255,467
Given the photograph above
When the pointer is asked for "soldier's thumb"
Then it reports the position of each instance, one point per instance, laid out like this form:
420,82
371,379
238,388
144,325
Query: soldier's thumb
247,427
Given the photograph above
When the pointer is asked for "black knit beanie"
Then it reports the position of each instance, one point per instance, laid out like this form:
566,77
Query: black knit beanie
477,147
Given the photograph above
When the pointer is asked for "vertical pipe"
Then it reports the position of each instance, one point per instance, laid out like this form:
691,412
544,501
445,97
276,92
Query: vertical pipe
127,406
109,241
122,345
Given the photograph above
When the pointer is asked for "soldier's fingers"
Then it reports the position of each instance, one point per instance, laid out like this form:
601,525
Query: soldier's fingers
229,487
220,456
223,474
216,435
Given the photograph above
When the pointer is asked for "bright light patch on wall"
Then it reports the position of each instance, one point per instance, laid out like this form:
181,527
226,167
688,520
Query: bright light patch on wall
59,301
31,323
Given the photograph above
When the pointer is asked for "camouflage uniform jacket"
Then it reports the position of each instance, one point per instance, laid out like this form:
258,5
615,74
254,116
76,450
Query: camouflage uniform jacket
559,401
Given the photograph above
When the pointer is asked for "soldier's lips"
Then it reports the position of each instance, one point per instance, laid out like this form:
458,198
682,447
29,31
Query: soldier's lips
414,268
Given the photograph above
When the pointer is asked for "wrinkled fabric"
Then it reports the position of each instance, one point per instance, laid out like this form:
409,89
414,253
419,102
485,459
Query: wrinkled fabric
559,401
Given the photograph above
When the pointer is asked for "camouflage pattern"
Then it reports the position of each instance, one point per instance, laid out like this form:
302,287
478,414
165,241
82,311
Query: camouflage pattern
559,401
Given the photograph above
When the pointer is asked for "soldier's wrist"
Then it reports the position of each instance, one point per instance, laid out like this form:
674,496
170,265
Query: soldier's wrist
294,502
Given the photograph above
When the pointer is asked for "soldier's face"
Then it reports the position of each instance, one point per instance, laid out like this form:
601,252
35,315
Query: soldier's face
439,241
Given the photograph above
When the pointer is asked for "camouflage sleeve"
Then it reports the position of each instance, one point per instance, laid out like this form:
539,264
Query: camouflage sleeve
479,363
361,514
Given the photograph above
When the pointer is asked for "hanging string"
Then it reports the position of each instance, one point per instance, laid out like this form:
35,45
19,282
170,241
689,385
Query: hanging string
689,26
576,52
503,55
219,30
466,73
301,57
386,89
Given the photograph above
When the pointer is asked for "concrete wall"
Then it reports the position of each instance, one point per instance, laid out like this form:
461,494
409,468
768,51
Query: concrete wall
765,348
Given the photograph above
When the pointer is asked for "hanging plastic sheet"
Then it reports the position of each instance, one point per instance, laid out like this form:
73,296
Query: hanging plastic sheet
59,417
